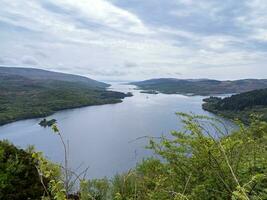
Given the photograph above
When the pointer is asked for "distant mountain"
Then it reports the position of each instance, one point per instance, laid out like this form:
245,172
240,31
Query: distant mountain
29,93
200,86
39,74
239,106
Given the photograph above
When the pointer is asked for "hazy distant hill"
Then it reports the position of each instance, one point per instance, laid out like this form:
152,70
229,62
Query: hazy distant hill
200,86
28,93
39,74
239,106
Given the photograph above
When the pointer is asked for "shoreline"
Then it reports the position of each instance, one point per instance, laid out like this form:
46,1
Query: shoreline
53,112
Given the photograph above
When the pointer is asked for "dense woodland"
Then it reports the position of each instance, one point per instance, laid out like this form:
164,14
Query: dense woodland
239,106
192,165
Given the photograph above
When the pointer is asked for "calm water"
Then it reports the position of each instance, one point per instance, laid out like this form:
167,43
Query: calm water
101,137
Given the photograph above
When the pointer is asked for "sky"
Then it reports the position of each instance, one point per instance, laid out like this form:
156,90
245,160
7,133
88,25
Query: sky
137,39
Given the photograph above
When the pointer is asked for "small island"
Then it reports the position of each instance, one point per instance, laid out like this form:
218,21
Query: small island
129,94
44,123
149,92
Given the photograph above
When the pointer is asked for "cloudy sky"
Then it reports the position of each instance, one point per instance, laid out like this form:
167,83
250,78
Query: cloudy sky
137,39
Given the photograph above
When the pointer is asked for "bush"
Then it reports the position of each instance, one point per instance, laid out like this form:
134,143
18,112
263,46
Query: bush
19,178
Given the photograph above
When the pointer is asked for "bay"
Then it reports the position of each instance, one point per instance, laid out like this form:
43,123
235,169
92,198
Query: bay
104,137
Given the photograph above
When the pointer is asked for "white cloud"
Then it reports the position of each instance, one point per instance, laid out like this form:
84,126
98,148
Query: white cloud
261,34
255,20
98,38
103,12
29,61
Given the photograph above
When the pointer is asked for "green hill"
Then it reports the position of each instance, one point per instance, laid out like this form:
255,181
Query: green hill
239,106
200,86
44,75
28,93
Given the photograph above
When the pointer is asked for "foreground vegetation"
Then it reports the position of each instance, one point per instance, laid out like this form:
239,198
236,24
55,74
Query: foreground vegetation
239,106
24,97
19,178
200,86
191,164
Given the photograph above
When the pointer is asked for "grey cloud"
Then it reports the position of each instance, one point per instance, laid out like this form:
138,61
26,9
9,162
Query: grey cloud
2,61
30,61
129,64
108,73
8,61
41,54
135,38
50,6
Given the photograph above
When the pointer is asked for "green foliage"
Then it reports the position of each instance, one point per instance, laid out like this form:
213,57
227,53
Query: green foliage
19,178
96,189
194,165
47,123
124,186
23,98
84,190
242,101
54,189
190,164
239,106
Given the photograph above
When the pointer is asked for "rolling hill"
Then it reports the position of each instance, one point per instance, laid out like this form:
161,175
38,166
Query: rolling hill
28,93
203,87
44,75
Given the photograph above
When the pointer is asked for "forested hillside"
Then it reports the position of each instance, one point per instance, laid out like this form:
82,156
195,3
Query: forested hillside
239,106
200,86
40,93
44,75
